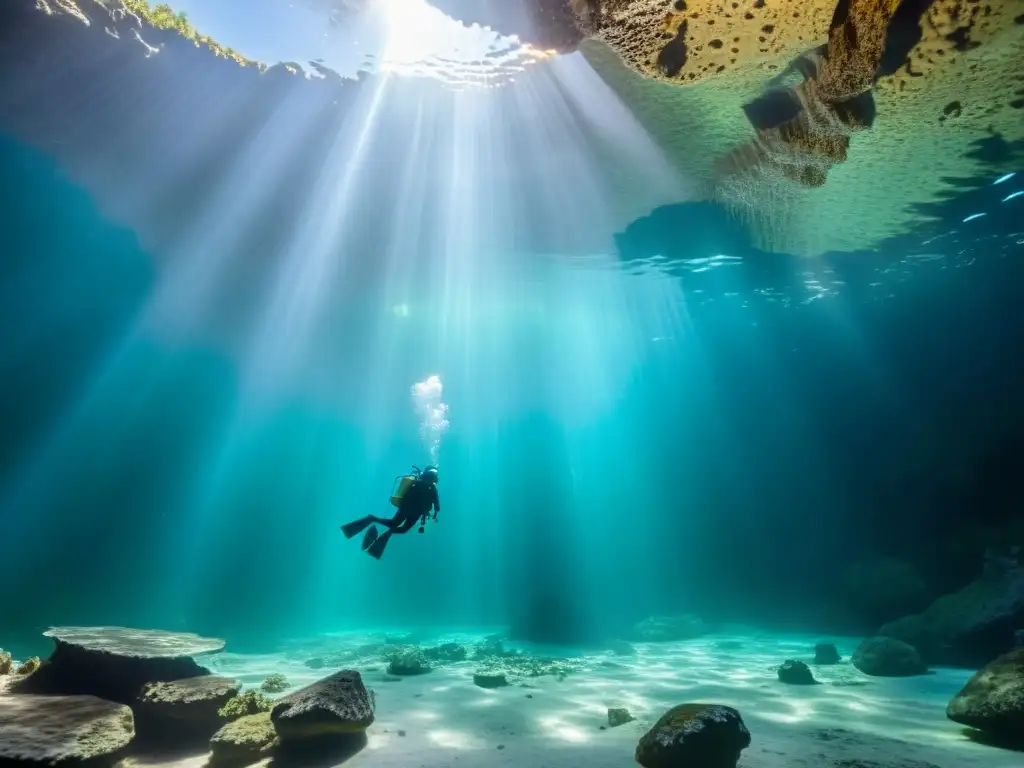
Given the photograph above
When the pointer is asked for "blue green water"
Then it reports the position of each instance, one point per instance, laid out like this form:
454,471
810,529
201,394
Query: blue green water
588,478
212,321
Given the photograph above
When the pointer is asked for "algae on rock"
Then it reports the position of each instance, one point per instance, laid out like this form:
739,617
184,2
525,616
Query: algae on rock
247,703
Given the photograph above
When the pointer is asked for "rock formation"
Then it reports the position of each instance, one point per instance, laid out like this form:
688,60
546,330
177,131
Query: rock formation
409,660
114,663
971,626
187,708
711,735
886,657
992,701
58,730
244,740
338,704
794,672
619,716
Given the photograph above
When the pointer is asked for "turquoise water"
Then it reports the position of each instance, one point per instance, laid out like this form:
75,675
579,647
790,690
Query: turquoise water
236,307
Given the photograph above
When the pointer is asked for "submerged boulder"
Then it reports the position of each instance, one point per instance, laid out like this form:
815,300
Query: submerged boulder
661,629
180,708
705,735
796,673
971,626
887,657
619,716
489,679
408,661
992,701
826,653
115,662
337,704
244,740
52,730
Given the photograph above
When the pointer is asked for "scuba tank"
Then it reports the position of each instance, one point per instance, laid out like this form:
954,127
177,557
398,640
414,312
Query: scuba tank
402,485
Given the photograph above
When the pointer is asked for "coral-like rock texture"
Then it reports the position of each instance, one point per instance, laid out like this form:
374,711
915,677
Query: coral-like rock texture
243,740
115,662
706,735
58,730
335,705
992,701
685,41
195,698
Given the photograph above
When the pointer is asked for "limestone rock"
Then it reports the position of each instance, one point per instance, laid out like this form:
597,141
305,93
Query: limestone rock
796,673
189,706
826,653
968,627
660,629
115,662
887,657
408,661
619,716
489,679
992,701
685,42
135,643
244,740
58,729
337,704
700,126
706,735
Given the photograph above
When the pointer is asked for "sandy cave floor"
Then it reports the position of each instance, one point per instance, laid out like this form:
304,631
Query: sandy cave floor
442,719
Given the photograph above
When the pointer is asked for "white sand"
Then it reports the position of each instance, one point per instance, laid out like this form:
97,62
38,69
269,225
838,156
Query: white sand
442,720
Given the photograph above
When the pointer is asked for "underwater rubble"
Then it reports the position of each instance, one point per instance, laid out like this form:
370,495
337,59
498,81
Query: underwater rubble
109,692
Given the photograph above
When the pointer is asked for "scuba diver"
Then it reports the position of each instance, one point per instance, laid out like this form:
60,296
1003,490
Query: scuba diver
415,496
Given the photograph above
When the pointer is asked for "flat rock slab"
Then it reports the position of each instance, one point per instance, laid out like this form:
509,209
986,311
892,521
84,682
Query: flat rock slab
182,711
55,729
136,643
115,662
191,698
338,704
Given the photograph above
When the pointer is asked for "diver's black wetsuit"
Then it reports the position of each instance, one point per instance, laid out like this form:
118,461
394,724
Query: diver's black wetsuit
417,502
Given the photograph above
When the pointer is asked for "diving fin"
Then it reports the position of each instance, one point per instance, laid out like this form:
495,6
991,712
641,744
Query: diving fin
370,537
377,548
356,526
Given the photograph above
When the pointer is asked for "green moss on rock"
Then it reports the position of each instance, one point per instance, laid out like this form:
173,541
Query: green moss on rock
247,703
